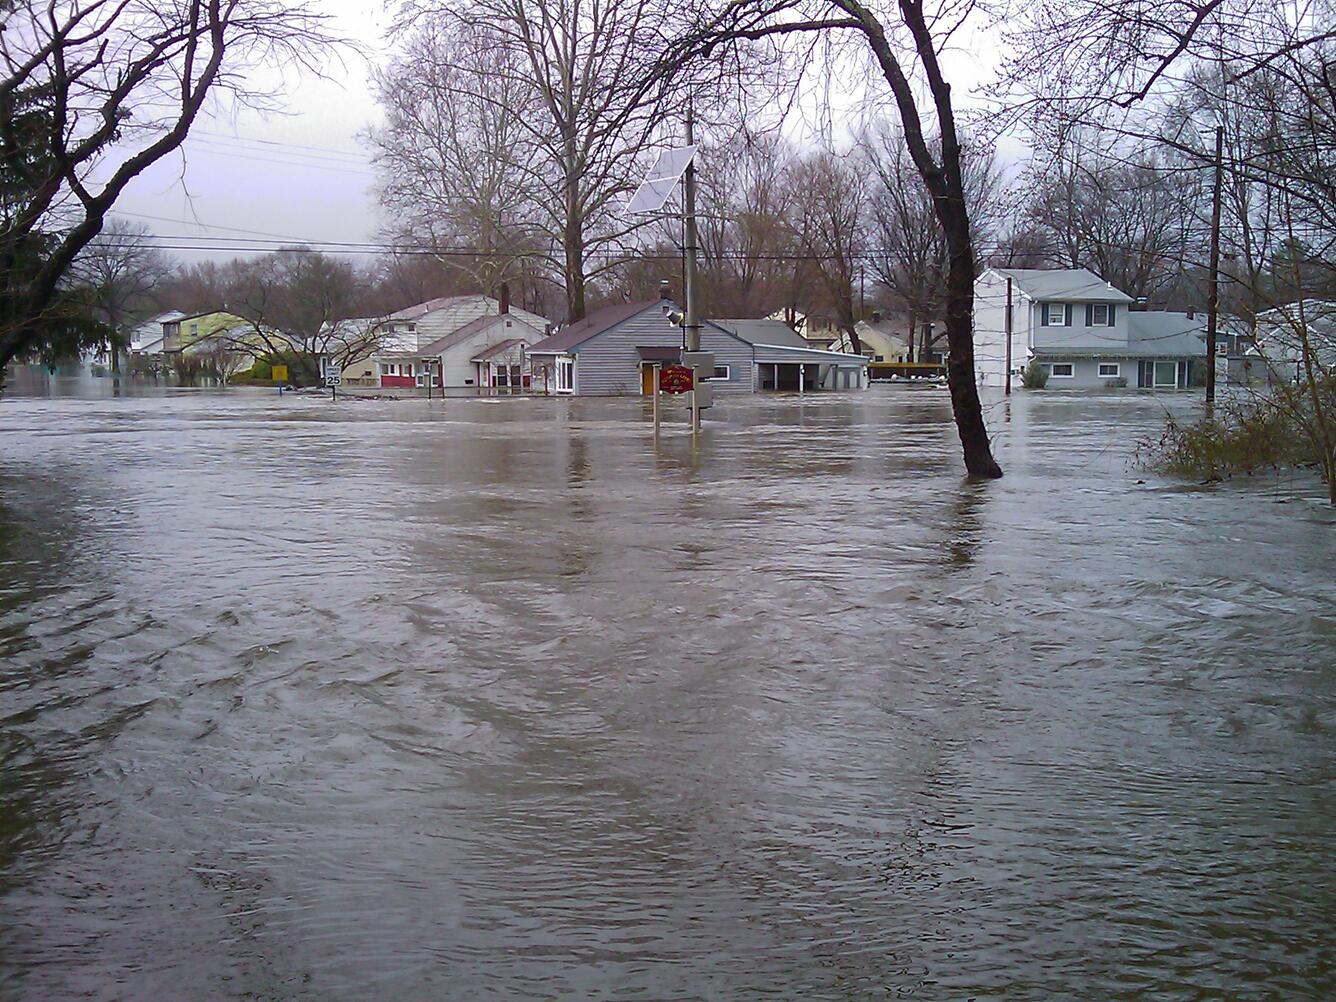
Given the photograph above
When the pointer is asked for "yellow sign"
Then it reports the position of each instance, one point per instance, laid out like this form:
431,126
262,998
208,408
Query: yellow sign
279,373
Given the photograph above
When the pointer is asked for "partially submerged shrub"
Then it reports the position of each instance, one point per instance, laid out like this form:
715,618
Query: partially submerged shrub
1282,429
1035,376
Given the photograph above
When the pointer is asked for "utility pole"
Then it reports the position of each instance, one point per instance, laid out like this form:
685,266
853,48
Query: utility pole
691,321
1213,290
1008,392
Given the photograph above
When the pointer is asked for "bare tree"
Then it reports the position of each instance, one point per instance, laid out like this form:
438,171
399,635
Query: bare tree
91,94
574,78
118,273
301,306
830,191
909,256
748,241
905,44
1131,218
455,157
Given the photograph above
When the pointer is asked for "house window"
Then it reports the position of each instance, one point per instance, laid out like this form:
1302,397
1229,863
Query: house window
878,358
565,376
1099,315
722,372
1055,314
1110,370
1062,370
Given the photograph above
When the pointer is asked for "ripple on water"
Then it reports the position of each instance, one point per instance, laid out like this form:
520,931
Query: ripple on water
506,700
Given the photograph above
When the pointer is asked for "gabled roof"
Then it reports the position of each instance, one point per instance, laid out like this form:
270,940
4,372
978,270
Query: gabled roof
464,308
596,323
1063,285
468,330
497,349
764,331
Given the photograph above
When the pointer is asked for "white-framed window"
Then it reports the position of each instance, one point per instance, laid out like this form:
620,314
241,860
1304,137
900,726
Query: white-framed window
1055,314
1062,370
722,372
565,375
1110,370
1099,315
878,358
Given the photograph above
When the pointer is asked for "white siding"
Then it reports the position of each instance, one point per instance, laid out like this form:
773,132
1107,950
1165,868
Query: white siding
455,364
990,324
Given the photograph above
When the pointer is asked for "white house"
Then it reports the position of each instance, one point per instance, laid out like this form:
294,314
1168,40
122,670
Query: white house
1082,330
471,344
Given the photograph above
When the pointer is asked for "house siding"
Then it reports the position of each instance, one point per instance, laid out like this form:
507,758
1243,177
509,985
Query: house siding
990,325
1086,372
608,364
456,366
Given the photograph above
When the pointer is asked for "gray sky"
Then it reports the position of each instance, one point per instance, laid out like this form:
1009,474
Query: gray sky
305,175
300,174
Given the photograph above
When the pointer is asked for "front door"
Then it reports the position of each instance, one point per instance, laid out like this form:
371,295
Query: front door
646,379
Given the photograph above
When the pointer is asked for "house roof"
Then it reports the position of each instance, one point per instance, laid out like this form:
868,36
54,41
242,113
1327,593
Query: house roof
466,331
596,323
764,331
497,349
1150,334
792,353
467,308
1064,285
1161,332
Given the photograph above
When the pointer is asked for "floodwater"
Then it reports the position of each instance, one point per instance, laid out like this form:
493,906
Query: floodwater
472,699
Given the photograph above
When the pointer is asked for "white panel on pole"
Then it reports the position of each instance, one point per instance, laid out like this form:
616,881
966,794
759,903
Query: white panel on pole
661,180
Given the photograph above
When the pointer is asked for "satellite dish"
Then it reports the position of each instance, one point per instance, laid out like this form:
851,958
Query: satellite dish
661,180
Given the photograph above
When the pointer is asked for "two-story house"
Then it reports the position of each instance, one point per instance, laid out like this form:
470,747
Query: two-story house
1081,329
471,344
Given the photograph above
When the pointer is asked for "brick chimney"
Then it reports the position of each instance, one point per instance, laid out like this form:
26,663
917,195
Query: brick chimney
505,298
665,290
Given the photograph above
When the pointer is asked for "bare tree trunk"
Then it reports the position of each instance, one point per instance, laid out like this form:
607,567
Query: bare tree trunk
945,183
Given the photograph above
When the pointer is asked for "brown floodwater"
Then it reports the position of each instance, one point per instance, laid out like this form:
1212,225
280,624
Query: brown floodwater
479,699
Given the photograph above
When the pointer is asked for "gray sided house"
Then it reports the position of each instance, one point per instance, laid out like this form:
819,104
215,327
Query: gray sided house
1082,330
613,351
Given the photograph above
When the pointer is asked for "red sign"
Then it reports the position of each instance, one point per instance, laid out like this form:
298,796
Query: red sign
675,379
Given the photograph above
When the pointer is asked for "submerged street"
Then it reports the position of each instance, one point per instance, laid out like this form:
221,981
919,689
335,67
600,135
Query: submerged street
500,698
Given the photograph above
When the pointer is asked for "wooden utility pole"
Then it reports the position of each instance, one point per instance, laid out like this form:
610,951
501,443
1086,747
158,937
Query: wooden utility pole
1213,290
691,321
1008,326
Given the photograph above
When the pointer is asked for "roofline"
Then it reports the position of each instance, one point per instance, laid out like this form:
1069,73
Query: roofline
816,351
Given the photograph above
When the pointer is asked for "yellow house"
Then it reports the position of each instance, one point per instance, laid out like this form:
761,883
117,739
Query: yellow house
182,333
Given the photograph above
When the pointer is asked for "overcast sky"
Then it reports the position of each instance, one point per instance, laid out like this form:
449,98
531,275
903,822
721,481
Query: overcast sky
306,174
302,174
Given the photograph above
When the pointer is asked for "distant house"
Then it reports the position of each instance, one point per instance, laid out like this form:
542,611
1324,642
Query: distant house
471,343
187,332
147,338
1280,334
614,351
1082,330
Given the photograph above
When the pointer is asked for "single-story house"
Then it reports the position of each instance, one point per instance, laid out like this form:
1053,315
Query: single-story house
614,351
1082,330
471,344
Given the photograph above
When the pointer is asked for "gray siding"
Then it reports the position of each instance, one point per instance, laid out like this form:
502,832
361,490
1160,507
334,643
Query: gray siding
608,363
1086,372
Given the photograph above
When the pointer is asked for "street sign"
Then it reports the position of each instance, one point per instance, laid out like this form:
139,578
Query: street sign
279,373
675,379
333,375
701,361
